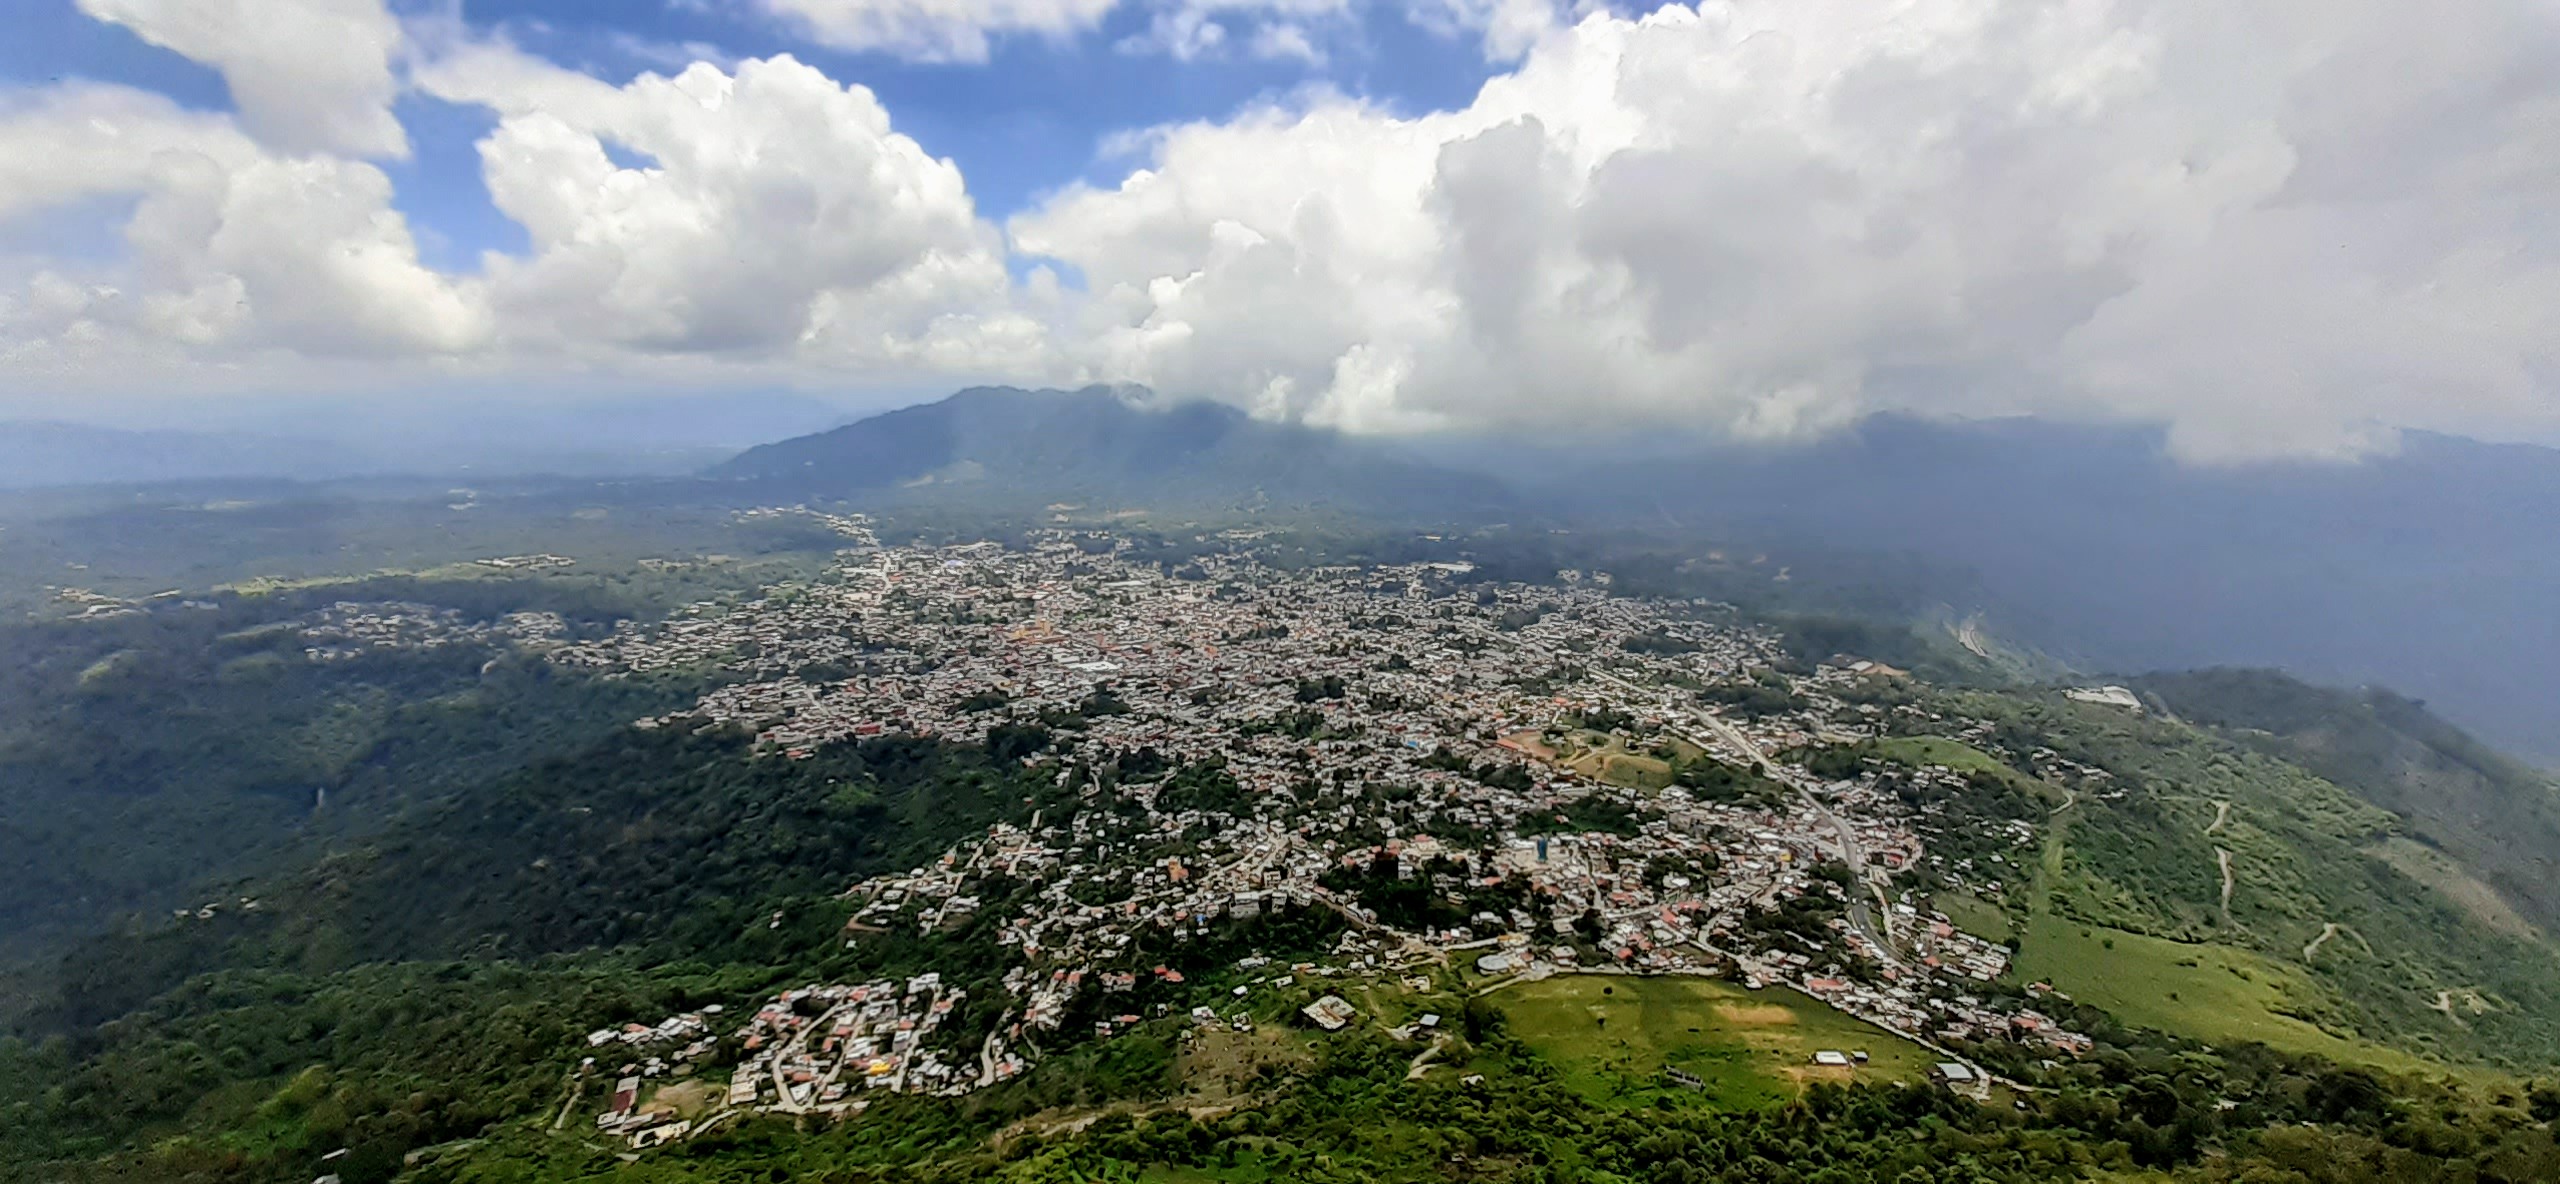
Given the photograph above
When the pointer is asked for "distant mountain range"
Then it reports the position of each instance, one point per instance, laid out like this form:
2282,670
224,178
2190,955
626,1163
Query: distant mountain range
460,437
1001,445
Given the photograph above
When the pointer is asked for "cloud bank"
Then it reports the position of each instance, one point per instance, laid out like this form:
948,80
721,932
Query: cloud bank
2282,228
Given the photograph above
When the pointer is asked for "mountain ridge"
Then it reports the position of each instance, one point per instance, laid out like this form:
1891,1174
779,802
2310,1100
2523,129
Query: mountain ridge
1098,442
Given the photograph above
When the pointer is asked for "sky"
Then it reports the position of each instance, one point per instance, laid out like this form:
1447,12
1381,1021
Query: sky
2280,230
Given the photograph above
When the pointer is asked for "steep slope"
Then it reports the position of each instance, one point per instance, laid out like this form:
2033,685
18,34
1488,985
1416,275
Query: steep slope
141,754
2486,812
671,841
997,445
2186,881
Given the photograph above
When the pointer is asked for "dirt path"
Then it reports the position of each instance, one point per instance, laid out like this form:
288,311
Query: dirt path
1422,1060
569,1095
2221,814
2328,930
1052,1127
2222,858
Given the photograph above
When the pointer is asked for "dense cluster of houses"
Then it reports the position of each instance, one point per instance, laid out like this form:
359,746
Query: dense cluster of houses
1397,720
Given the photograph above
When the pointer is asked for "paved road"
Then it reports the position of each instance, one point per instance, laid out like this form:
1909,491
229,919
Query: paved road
1860,916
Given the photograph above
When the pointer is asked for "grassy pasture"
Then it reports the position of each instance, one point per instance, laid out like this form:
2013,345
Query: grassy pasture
1612,1036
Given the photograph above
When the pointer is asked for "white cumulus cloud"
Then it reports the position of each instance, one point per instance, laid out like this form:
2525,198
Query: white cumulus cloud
768,211
2280,228
230,246
307,75
966,30
2289,227
1265,29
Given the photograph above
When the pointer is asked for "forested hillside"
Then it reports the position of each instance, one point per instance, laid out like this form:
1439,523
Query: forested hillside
533,899
145,752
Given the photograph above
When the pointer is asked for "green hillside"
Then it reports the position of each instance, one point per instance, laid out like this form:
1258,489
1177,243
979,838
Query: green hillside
2490,813
2326,940
144,754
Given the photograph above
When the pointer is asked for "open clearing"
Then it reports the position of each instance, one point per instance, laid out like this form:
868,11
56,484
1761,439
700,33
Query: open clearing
1598,756
1221,1065
1531,743
685,1099
1613,1035
1923,751
1934,750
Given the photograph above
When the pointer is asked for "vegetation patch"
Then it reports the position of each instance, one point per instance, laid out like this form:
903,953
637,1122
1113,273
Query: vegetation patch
1601,757
2476,898
1975,915
1923,751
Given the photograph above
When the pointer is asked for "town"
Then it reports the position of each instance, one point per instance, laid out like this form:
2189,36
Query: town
1476,783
